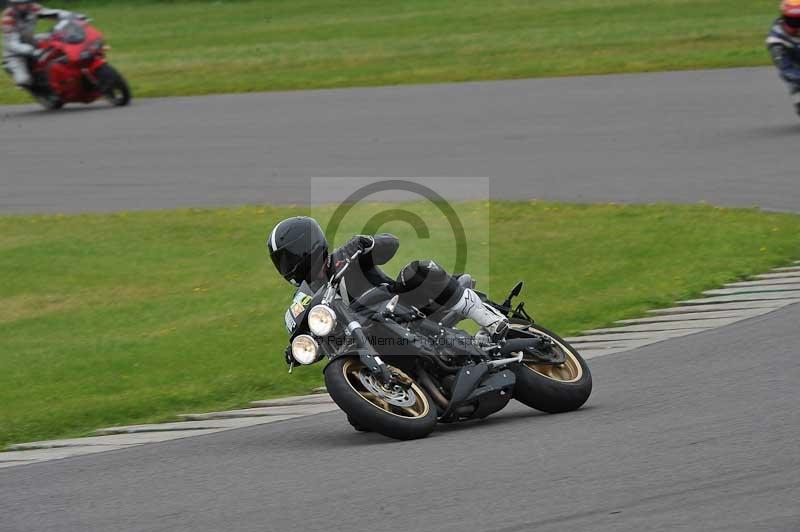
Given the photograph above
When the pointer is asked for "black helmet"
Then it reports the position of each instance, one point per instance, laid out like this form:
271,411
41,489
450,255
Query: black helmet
298,248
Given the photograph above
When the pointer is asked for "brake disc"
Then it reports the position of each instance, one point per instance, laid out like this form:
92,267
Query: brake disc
394,395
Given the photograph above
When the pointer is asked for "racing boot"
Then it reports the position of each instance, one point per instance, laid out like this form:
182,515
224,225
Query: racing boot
490,319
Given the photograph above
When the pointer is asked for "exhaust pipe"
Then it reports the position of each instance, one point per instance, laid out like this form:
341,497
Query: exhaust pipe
429,386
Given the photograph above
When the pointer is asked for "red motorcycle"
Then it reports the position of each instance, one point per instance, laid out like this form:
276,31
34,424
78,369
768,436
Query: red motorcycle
71,67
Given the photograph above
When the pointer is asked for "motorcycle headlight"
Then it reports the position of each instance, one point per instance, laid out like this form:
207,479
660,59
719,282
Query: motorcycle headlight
321,320
305,349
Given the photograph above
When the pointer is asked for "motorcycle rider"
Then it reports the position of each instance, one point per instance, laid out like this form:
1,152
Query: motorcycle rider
783,43
19,42
299,251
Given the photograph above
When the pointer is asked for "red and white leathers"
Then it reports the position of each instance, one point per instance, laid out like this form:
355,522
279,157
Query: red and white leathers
19,41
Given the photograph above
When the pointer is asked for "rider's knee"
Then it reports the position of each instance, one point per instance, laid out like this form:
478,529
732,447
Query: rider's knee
419,271
424,283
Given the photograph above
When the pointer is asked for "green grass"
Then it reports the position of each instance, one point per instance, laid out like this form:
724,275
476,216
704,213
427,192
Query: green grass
134,317
200,47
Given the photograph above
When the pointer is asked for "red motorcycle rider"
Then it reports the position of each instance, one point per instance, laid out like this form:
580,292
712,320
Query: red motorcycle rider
19,39
783,43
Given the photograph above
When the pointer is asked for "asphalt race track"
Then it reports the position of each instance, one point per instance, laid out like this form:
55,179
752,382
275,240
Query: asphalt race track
698,433
695,433
726,136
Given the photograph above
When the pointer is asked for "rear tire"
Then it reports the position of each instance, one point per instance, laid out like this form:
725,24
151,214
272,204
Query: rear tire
553,389
363,407
113,86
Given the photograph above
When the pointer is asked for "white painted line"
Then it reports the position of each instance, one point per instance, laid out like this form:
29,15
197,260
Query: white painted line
20,457
667,326
594,353
582,341
736,305
780,275
787,269
264,411
629,344
234,423
632,336
794,281
112,441
596,350
14,463
763,296
616,345
316,399
742,313
754,290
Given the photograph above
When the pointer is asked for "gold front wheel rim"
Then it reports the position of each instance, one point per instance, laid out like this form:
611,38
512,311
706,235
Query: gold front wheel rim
351,369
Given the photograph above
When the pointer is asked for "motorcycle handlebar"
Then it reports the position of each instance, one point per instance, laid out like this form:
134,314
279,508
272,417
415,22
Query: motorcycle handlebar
337,277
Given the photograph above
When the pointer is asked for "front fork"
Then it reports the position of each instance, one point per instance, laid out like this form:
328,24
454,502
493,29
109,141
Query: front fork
366,353
88,72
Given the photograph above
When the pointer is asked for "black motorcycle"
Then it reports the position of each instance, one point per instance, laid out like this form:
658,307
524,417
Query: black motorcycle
396,371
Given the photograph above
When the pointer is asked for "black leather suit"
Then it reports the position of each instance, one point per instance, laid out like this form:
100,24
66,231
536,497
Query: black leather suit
422,283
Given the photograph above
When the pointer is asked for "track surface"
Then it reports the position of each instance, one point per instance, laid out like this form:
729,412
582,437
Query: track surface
697,433
727,137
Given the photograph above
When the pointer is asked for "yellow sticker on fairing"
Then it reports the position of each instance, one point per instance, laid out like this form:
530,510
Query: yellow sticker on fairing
299,303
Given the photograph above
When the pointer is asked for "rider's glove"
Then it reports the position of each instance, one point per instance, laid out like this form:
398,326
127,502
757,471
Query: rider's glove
362,243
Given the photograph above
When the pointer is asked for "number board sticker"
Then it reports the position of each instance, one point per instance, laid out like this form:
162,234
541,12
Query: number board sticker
299,303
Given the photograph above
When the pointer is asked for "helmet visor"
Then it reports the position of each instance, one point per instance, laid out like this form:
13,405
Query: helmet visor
287,263
792,22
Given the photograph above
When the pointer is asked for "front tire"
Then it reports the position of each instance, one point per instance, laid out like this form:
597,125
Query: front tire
400,414
356,426
113,86
553,389
47,99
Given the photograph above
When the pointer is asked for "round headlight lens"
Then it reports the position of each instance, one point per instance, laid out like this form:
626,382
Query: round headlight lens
321,320
305,349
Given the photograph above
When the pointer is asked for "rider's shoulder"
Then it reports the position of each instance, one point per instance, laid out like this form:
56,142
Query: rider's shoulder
777,35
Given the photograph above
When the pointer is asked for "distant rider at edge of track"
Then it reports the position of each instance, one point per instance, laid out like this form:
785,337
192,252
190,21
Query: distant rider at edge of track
783,43
18,23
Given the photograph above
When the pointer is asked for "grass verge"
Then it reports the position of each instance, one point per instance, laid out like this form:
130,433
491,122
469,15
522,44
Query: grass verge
204,46
135,317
